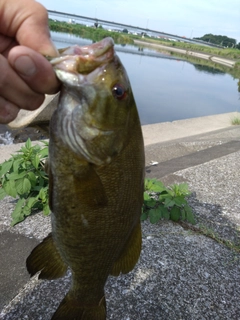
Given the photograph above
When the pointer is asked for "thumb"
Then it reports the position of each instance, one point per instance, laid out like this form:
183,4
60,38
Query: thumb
34,69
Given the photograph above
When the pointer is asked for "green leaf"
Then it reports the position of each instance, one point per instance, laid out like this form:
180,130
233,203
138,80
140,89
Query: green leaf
26,211
23,186
150,203
23,150
32,178
28,143
183,214
26,185
144,216
36,148
46,143
158,186
154,215
17,214
36,161
16,176
41,182
9,187
2,193
42,195
165,213
31,202
36,188
163,196
171,192
180,200
146,196
43,153
46,210
183,189
169,202
154,185
5,167
148,183
175,213
16,164
189,214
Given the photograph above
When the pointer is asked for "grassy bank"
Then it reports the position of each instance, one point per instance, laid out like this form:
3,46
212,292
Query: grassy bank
228,53
97,34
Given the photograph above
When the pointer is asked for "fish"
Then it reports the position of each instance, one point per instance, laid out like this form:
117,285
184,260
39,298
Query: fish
96,180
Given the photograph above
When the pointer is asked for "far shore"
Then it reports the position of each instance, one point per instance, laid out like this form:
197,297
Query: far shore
220,60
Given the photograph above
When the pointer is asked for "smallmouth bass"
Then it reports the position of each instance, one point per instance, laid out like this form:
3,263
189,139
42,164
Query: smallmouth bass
96,180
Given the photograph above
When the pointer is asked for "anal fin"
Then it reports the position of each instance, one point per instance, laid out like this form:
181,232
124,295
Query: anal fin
46,258
130,254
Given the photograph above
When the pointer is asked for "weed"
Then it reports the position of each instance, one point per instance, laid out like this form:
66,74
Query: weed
235,121
168,203
23,177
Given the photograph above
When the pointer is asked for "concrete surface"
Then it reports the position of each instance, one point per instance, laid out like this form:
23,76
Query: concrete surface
182,274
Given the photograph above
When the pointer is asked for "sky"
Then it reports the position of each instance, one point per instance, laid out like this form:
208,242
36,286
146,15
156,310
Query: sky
189,18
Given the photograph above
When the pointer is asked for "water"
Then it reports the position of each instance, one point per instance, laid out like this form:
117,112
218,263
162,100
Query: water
167,88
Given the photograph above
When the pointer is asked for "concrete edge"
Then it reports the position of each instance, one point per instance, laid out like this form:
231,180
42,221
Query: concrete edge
161,132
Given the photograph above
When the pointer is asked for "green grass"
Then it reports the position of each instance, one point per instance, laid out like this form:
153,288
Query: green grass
235,120
210,233
222,52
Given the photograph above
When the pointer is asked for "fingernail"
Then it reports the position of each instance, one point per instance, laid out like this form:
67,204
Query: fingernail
25,65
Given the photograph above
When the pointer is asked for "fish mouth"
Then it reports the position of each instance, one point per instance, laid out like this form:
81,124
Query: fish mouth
85,59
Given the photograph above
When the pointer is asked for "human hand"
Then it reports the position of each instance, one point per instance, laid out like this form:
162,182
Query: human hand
25,75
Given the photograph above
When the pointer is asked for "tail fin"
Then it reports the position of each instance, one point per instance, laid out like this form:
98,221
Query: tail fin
46,258
70,309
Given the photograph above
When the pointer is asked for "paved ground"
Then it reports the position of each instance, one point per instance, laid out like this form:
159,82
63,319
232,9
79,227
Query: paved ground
182,274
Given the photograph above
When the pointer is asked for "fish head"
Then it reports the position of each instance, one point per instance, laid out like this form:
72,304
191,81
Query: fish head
96,109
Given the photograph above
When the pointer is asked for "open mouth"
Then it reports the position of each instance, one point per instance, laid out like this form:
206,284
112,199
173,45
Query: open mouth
85,59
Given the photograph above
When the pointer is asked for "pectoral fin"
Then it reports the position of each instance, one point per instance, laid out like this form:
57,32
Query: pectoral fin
130,254
46,258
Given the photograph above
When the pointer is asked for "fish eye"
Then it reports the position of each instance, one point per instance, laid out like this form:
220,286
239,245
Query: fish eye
118,91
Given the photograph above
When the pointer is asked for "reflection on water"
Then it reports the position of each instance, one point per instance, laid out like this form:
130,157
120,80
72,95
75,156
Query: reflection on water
208,69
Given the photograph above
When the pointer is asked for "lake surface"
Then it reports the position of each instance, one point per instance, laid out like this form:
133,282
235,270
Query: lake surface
167,88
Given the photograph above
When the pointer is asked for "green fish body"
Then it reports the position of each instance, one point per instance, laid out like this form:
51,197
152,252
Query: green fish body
96,179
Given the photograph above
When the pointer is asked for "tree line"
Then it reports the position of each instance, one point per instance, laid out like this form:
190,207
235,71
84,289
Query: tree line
220,40
95,33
